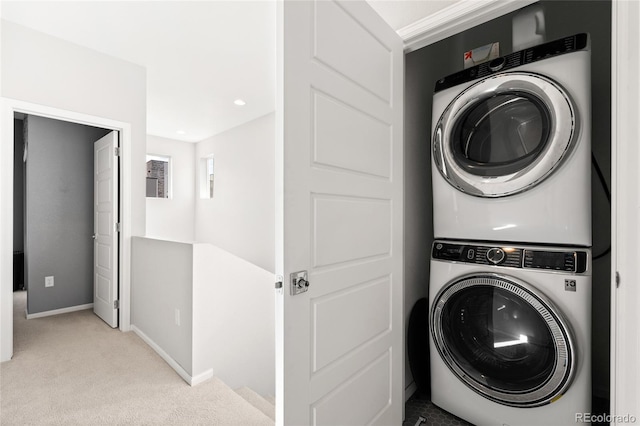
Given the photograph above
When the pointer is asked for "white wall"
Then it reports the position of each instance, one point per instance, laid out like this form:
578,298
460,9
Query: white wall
47,71
240,218
163,274
226,312
173,218
233,320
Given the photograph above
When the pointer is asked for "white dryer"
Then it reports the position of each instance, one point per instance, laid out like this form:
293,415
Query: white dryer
510,333
511,147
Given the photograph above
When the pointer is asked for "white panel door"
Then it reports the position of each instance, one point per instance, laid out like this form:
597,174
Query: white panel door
339,151
105,247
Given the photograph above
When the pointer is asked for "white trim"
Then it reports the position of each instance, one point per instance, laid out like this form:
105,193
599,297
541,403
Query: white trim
58,311
165,356
410,390
193,381
202,377
6,230
625,210
126,200
454,19
614,207
9,106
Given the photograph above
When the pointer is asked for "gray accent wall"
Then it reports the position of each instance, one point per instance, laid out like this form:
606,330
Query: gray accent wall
424,66
59,213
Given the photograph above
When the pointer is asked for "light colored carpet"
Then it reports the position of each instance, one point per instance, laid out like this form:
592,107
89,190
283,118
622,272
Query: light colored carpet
74,369
258,401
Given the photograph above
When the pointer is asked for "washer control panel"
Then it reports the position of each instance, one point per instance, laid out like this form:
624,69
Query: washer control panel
532,54
512,257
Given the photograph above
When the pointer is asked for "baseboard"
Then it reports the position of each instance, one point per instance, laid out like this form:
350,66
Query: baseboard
410,390
202,377
167,358
59,311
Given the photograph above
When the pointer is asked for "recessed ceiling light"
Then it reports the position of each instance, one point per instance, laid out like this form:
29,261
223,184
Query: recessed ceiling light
181,132
239,102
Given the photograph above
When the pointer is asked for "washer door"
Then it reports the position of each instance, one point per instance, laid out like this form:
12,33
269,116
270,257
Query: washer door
504,134
503,339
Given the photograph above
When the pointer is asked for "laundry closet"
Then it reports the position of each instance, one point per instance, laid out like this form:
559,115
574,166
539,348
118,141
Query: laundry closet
423,68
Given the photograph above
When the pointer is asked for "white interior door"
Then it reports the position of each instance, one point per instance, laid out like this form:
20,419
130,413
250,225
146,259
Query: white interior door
340,345
105,249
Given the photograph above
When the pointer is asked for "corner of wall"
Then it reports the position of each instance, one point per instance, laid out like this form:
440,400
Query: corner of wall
245,176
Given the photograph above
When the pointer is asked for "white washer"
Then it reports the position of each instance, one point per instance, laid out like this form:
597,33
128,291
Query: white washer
511,147
510,333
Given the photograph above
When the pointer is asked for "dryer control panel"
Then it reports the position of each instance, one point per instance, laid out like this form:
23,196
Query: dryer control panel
515,59
561,260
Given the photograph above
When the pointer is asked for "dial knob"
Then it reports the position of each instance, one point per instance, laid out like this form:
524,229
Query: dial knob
495,255
496,64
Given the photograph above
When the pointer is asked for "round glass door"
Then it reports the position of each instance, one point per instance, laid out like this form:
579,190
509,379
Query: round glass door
503,340
504,134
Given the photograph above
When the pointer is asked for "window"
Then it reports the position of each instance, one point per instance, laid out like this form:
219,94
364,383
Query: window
158,176
207,177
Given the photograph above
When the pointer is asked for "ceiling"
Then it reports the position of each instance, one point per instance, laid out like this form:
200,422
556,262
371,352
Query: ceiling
200,56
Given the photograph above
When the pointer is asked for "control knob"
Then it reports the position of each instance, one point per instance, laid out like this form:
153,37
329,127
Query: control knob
497,64
495,255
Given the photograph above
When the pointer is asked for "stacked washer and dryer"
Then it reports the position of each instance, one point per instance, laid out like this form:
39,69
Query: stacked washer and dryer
510,281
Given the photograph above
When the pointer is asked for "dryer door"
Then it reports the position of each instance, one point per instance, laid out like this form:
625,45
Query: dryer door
503,339
504,134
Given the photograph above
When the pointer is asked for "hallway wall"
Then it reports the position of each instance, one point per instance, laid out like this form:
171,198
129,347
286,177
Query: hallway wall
173,218
240,218
49,71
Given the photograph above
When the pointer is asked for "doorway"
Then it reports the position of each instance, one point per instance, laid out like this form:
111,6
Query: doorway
562,19
10,108
58,224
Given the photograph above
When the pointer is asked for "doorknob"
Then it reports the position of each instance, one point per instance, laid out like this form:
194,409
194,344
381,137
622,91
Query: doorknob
299,282
93,236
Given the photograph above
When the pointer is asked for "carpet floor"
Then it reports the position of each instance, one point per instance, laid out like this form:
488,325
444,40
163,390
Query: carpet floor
74,369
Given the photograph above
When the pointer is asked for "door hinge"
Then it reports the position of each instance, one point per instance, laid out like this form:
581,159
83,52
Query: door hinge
617,279
116,304
118,227
117,151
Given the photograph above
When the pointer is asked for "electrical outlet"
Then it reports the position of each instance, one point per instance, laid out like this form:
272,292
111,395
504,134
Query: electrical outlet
48,281
177,315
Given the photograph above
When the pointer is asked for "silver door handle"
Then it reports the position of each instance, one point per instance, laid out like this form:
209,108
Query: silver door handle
299,282
93,236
